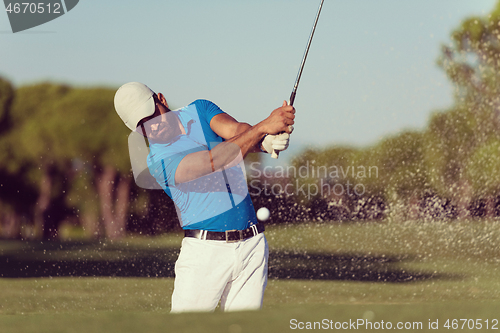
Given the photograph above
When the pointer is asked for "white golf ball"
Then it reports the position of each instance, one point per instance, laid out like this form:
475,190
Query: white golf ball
263,214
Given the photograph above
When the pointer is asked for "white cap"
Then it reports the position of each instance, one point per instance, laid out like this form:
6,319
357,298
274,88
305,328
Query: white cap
133,102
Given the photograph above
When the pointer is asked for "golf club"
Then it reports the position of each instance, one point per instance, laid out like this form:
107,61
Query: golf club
275,153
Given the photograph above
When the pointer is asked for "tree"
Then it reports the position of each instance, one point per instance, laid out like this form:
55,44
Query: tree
483,169
28,152
94,134
472,63
6,97
54,129
15,191
451,138
402,173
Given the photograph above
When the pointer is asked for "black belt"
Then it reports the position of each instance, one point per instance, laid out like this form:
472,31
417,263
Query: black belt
229,236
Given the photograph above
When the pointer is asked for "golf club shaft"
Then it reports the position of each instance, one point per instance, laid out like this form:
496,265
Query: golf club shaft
275,153
301,68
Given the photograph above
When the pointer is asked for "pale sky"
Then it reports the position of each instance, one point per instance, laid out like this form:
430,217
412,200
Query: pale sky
371,70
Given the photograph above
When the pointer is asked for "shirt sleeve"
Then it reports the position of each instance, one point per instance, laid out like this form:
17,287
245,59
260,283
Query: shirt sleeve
207,109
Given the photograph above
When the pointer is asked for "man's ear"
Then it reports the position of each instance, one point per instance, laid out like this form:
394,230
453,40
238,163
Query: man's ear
163,100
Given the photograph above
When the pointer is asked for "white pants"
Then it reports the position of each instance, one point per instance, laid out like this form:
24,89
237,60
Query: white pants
208,271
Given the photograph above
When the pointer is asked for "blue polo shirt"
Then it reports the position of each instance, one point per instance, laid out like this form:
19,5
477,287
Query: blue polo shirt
218,201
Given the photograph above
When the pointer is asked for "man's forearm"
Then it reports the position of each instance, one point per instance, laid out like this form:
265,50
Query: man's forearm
242,127
248,138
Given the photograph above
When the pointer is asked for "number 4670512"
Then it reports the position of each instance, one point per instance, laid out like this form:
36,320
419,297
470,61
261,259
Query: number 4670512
33,8
471,324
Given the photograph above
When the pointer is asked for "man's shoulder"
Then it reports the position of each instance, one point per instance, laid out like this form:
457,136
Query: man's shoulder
202,103
205,109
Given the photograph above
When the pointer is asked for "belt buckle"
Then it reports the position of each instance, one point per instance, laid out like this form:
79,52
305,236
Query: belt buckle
233,239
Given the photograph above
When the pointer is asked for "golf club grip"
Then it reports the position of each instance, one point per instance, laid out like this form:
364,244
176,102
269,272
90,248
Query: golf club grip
276,153
292,98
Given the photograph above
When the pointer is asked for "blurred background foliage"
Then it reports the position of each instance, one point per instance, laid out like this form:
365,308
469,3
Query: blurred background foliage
64,159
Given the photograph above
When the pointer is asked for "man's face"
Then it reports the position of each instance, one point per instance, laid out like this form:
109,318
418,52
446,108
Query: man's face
162,125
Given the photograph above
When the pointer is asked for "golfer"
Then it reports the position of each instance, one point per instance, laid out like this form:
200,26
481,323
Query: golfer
196,155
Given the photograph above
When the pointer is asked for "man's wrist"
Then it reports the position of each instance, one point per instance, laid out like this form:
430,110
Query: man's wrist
261,147
261,130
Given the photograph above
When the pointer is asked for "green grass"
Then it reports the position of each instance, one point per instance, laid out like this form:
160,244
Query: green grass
273,320
383,270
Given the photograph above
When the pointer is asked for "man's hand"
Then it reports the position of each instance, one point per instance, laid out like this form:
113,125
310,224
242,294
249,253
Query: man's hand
280,120
277,142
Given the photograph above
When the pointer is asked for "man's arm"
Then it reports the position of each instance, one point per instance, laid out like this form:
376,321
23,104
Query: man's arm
227,127
240,138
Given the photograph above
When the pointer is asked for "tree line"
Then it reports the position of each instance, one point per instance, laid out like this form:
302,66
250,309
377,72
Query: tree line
64,159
